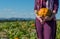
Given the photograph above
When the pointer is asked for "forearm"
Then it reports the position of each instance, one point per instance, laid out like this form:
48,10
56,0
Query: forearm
38,17
53,15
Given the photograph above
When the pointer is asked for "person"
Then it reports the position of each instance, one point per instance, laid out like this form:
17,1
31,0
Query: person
47,30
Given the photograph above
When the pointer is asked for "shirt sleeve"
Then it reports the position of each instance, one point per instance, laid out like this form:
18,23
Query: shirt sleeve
35,5
56,5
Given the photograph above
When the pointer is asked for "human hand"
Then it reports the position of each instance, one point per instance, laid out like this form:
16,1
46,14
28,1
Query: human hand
42,21
52,16
35,11
48,18
54,11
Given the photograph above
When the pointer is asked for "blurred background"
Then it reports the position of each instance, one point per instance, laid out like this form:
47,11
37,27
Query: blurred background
17,20
19,9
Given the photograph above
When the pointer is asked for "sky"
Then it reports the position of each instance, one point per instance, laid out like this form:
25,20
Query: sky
19,9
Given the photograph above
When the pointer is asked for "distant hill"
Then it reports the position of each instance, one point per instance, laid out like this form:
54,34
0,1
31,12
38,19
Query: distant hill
13,19
2,19
58,19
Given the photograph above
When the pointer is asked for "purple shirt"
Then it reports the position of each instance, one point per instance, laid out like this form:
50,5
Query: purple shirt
51,4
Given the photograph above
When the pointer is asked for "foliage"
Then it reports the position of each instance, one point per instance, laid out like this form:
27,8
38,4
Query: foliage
22,29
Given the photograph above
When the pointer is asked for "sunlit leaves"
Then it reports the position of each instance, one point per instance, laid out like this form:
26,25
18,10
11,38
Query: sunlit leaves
23,29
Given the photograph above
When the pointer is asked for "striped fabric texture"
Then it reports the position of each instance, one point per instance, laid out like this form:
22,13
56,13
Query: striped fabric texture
51,4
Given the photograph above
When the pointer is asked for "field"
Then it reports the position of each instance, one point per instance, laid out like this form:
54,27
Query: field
21,30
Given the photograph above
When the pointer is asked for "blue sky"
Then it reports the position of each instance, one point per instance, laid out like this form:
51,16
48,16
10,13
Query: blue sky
19,8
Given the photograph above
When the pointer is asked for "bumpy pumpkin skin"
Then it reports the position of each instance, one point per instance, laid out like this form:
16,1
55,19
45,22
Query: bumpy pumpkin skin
43,12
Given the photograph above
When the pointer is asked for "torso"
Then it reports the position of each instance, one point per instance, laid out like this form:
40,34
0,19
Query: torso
45,3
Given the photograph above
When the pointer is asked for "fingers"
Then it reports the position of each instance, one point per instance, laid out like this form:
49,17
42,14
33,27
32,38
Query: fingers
54,11
42,22
35,11
48,18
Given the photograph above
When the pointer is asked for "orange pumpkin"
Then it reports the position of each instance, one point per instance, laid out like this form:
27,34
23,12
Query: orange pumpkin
43,12
16,38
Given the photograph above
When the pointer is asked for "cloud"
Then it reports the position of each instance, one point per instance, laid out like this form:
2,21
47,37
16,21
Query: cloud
9,12
13,12
7,9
